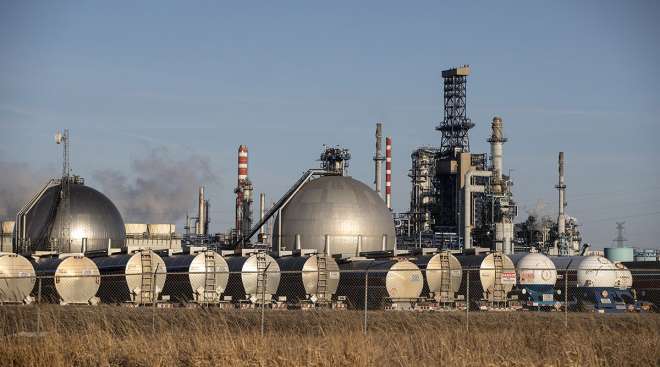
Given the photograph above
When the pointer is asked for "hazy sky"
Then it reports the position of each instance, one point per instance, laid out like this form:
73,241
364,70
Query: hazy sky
190,81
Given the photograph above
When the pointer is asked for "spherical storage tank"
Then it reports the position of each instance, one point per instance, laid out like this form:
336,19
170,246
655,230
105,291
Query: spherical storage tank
596,271
17,278
536,269
95,221
341,208
69,280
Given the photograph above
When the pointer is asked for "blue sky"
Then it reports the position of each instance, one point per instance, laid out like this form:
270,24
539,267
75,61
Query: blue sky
196,79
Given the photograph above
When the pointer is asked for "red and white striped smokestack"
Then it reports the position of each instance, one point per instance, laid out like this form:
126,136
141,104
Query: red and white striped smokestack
242,163
388,172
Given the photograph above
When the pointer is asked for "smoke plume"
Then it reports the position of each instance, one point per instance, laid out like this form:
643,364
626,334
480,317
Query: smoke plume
18,182
161,187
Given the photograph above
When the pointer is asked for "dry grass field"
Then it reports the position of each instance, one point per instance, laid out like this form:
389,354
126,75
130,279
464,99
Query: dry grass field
118,336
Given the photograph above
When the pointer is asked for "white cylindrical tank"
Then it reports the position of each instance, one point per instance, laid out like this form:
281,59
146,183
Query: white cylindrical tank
624,278
75,279
404,280
17,278
435,269
536,269
125,274
249,277
200,277
596,271
489,269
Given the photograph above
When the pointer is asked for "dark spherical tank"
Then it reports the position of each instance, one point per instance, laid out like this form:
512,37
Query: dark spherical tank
340,207
95,221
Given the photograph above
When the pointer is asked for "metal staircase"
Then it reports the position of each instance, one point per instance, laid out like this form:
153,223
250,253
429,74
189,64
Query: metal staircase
210,294
445,277
262,267
499,294
322,279
147,283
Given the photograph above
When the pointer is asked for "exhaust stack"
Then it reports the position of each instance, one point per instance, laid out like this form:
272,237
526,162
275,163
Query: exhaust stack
561,187
243,193
201,213
388,172
378,158
496,141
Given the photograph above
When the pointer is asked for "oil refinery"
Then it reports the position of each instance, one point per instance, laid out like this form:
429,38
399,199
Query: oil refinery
328,239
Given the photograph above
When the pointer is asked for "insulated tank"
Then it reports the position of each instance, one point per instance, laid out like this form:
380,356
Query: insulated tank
389,280
536,269
17,278
138,277
314,278
243,284
596,271
201,277
498,277
444,275
72,279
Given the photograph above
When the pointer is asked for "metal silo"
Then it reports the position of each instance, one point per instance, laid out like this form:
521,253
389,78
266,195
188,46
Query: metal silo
196,277
137,278
17,279
72,279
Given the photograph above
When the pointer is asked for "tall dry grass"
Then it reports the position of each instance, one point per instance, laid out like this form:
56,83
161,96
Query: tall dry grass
118,336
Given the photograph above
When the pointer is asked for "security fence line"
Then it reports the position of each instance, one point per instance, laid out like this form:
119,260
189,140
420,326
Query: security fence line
365,291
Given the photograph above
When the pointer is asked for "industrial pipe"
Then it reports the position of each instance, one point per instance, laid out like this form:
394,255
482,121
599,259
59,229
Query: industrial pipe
467,202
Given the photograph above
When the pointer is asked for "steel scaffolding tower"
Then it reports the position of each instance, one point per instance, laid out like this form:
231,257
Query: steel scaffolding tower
456,124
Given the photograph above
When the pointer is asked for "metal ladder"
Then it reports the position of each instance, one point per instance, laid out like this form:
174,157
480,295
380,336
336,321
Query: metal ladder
322,279
262,265
146,286
209,277
499,294
445,276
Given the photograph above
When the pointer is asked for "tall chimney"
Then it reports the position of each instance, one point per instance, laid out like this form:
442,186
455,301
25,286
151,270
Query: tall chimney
262,211
242,177
561,187
201,213
388,172
378,158
496,141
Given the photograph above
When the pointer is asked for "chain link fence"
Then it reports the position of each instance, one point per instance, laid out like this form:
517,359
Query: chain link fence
462,292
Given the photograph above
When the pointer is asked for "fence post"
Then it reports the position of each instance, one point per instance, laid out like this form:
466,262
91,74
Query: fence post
467,302
366,304
39,307
566,298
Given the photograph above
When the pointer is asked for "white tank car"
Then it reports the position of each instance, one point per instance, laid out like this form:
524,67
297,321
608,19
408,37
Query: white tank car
300,279
72,279
536,269
404,280
138,277
200,277
624,278
250,275
17,278
441,268
596,271
498,277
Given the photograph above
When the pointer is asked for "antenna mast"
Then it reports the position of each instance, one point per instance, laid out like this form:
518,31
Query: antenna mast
65,193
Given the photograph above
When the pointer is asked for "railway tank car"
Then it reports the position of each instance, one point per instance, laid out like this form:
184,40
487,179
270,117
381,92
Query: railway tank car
253,278
395,283
309,281
497,277
69,279
17,279
137,278
443,274
197,277
537,276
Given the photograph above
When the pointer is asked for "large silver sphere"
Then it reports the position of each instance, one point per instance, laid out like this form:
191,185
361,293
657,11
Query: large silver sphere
94,221
340,207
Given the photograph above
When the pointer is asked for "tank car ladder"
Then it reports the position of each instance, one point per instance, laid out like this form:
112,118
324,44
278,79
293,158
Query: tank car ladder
209,277
146,285
322,279
262,267
445,277
499,295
